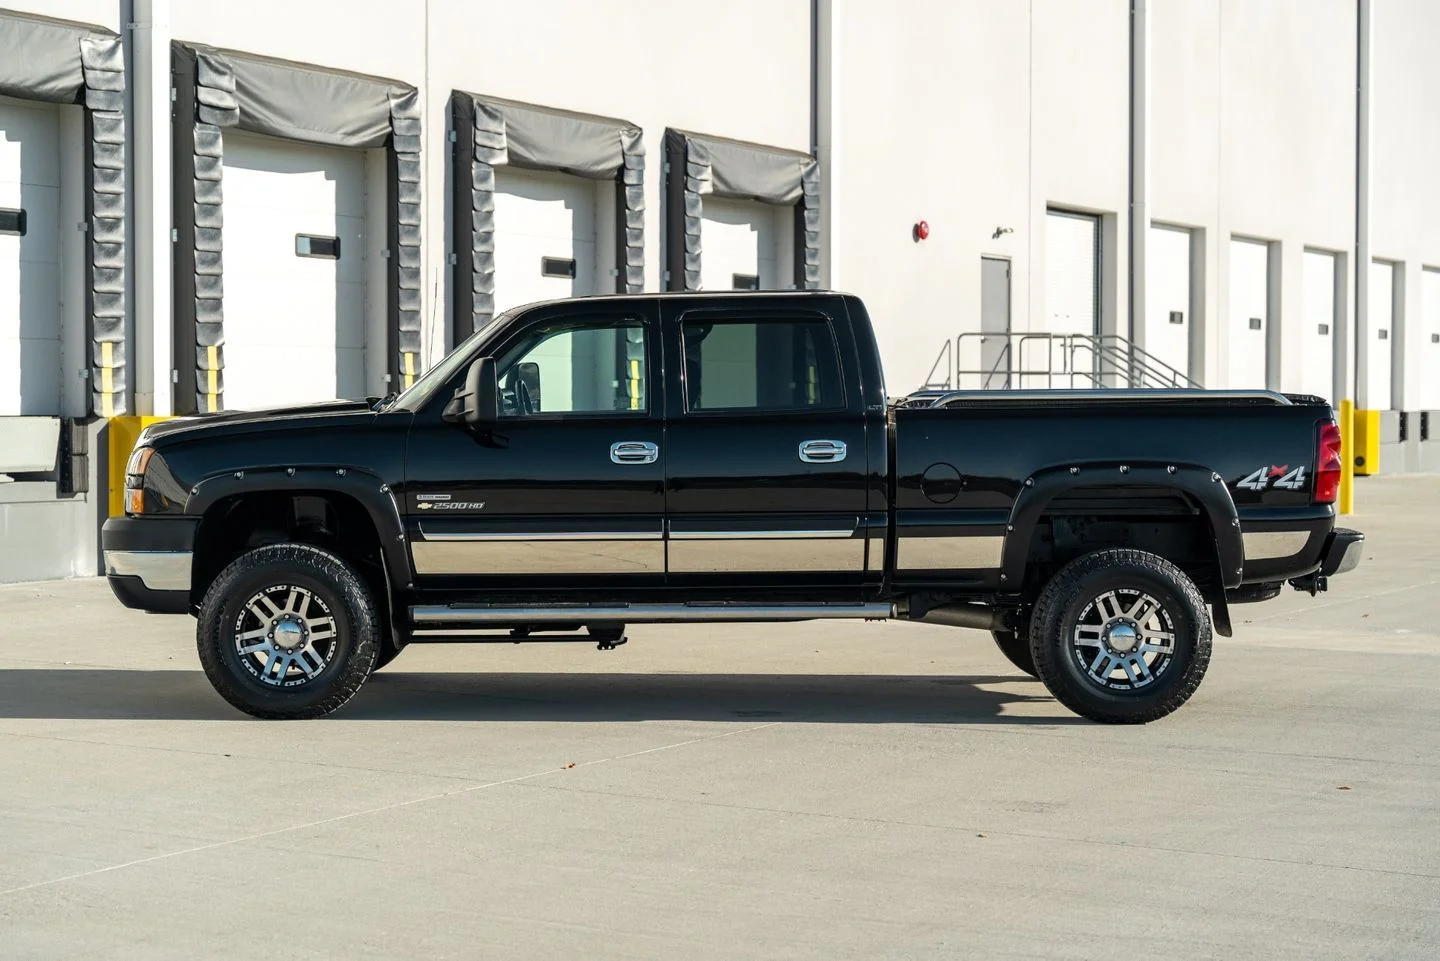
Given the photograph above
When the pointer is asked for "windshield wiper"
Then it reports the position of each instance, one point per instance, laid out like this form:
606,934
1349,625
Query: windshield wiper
384,402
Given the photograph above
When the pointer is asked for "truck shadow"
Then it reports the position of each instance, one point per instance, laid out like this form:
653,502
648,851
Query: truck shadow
92,693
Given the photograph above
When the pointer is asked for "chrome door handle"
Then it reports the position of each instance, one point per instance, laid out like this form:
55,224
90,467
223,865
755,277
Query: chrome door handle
634,452
822,451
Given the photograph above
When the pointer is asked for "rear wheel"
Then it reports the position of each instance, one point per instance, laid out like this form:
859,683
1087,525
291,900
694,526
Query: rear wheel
288,631
1016,648
1121,636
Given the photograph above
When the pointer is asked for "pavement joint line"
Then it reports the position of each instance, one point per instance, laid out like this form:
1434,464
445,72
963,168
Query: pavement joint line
380,809
989,832
1351,600
233,754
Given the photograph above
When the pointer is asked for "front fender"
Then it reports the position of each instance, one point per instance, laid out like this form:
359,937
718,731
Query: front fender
366,487
1201,483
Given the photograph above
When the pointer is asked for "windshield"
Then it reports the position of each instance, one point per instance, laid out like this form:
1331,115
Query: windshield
415,396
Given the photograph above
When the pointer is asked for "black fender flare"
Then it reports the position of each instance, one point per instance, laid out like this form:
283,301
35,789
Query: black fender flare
1201,483
361,484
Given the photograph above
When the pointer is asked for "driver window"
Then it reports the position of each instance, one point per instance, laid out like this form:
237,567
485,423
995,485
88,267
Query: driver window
576,367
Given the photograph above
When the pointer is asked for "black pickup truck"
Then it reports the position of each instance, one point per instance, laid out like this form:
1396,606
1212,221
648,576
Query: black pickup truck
577,466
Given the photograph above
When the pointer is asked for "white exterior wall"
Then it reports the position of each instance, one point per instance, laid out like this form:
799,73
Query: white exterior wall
1405,197
971,116
676,68
1252,123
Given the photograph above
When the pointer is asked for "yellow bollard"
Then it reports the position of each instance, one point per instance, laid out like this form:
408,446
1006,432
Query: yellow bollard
1347,457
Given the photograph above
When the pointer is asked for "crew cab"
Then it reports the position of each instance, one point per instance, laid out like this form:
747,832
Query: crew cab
577,466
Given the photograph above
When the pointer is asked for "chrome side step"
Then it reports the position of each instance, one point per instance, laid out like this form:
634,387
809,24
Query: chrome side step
645,613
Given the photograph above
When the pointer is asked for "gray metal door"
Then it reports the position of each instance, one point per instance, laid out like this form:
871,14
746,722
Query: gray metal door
995,354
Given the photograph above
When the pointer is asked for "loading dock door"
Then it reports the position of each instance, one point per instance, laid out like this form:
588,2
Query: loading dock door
1247,344
1072,273
1317,334
29,259
1167,295
1427,392
545,242
740,246
294,268
1378,365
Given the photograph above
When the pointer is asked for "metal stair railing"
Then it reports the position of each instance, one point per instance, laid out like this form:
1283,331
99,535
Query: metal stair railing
1049,360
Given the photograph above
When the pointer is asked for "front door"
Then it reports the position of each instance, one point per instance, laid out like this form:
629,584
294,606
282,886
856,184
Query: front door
567,490
765,450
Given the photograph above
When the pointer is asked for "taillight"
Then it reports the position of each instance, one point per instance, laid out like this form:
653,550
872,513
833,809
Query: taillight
1327,463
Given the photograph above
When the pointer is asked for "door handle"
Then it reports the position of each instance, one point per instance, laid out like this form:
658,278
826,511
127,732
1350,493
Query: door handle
822,451
634,452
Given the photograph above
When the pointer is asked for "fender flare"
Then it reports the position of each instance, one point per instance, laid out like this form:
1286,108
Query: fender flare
361,484
1202,484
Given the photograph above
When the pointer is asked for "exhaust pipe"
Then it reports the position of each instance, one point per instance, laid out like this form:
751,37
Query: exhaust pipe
973,616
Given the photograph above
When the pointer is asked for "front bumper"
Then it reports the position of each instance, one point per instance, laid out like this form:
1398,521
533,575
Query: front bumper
148,561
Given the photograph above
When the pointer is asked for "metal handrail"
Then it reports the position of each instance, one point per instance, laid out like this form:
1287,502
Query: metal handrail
1113,361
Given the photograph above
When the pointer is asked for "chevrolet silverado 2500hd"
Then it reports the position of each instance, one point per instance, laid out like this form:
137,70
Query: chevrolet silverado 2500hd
577,466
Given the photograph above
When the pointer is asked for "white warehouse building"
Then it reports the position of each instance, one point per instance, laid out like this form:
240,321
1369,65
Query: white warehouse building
209,206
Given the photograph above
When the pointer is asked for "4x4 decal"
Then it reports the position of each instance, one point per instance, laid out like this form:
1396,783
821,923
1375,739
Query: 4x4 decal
1274,476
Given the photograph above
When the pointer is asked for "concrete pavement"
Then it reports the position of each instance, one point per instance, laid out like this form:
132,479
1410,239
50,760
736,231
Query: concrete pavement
804,791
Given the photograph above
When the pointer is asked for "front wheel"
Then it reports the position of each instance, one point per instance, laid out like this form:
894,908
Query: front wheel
1121,636
288,631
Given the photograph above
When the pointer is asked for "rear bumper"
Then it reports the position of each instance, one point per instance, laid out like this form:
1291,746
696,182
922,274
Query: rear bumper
1342,552
148,561
1340,555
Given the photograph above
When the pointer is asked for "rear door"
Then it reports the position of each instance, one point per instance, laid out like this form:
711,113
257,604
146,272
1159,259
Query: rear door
765,448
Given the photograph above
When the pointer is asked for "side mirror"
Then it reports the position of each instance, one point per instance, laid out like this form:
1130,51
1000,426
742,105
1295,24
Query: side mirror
529,375
477,404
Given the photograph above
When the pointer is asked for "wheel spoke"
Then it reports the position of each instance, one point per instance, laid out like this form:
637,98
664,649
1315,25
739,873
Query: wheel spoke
291,601
1129,669
304,610
255,647
309,661
1141,672
269,612
279,665
1109,606
1088,635
1102,658
322,629
252,635
1144,607
1158,642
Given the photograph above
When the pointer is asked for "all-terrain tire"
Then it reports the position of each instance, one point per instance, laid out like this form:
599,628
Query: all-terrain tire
333,586
1015,645
1074,601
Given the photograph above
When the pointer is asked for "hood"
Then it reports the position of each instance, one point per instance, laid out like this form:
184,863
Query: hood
302,415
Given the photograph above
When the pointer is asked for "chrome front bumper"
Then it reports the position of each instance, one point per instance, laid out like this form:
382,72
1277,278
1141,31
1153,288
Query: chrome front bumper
157,570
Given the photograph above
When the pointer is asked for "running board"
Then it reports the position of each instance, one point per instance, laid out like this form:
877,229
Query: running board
644,613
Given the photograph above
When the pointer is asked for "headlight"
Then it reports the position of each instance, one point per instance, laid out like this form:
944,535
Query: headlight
135,479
